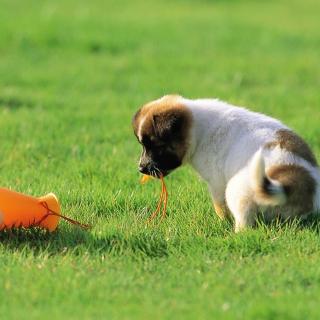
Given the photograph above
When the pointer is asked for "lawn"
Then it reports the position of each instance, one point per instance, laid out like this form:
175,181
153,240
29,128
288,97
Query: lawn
72,74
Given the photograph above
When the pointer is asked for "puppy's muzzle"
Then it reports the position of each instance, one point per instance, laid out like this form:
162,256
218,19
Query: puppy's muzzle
152,171
146,166
145,169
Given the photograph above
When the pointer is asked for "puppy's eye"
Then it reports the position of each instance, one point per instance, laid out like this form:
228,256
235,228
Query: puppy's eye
146,142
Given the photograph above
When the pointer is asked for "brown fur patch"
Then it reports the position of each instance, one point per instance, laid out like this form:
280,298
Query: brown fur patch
157,116
158,106
135,122
144,113
291,142
221,210
299,185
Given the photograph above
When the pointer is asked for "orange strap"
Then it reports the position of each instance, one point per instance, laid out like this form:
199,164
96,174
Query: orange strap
163,198
52,213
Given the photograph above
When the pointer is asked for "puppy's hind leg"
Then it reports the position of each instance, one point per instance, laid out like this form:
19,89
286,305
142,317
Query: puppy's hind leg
239,198
221,210
219,202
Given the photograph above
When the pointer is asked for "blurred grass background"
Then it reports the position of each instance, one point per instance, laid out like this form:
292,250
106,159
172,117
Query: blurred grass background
72,73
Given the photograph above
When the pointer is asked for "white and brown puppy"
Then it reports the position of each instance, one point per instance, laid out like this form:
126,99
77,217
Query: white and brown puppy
251,162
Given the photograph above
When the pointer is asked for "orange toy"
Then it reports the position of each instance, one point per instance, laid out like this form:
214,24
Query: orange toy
19,210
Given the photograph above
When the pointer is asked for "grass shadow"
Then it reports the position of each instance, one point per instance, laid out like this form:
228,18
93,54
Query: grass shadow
312,222
13,103
79,242
145,243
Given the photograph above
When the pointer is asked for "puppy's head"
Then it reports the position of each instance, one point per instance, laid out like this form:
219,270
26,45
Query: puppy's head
162,127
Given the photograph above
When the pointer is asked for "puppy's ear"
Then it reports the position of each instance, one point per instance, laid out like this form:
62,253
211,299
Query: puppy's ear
135,117
168,125
134,121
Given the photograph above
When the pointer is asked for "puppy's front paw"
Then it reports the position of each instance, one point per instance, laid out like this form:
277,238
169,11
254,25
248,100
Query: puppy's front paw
239,228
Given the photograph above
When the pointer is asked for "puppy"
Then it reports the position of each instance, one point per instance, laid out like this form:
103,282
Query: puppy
251,162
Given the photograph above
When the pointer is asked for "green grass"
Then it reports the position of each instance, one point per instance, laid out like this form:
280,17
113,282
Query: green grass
71,76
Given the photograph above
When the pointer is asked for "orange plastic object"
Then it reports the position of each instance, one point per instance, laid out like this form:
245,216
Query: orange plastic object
145,178
19,210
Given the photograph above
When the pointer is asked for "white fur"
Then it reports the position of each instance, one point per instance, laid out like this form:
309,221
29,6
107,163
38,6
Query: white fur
224,140
257,173
317,197
140,128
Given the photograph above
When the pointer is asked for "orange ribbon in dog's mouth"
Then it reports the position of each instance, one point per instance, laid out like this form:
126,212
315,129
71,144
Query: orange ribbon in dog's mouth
163,199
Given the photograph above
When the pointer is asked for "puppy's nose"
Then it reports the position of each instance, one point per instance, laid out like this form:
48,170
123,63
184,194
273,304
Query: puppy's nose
143,169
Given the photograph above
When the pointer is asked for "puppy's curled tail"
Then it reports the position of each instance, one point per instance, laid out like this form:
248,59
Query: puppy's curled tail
267,192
